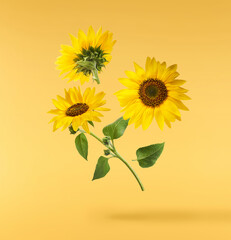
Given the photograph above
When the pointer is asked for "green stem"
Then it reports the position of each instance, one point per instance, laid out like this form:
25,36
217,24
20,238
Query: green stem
93,135
118,156
130,168
100,140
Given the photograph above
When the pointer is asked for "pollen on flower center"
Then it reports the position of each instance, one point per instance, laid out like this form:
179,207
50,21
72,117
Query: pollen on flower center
153,92
77,109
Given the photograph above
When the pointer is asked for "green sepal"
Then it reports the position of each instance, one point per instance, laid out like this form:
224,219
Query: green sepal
71,130
92,124
147,156
116,129
102,168
81,144
90,60
89,65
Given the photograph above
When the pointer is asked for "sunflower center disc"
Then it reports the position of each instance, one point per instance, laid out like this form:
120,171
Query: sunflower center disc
77,109
153,92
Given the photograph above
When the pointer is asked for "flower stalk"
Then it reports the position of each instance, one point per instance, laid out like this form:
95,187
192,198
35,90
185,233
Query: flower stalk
115,154
95,76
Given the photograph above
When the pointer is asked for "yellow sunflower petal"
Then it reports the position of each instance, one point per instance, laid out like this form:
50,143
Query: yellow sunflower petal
147,118
63,101
161,69
86,94
168,123
179,96
102,109
67,97
134,111
177,89
140,119
59,105
66,123
147,65
74,42
152,72
159,118
54,126
139,70
171,77
73,95
85,127
55,111
76,123
129,94
99,96
129,83
82,38
91,36
177,82
171,107
171,117
170,70
57,118
179,104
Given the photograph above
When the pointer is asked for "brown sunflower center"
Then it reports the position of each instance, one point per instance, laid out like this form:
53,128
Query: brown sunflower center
77,109
153,92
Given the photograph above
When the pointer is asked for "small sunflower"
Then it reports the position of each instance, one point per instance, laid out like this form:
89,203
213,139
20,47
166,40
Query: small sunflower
76,109
152,93
87,55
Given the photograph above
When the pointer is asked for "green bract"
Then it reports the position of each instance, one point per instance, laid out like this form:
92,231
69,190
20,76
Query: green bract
71,130
90,61
92,124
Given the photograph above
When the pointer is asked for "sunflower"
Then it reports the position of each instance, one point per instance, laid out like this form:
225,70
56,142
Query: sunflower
152,93
87,55
77,109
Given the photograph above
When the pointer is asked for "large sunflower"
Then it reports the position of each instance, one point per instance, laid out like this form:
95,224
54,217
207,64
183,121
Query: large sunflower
87,55
152,93
76,109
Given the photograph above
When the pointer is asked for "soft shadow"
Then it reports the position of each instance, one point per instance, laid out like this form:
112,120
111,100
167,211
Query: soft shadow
171,215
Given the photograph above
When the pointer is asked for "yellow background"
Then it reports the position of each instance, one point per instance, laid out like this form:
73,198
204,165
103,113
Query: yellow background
46,190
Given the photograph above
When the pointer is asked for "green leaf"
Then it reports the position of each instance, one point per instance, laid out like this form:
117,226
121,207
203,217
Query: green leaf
148,155
81,144
92,124
116,129
102,168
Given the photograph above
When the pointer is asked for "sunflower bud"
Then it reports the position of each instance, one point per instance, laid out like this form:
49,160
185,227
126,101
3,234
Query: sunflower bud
106,152
106,140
